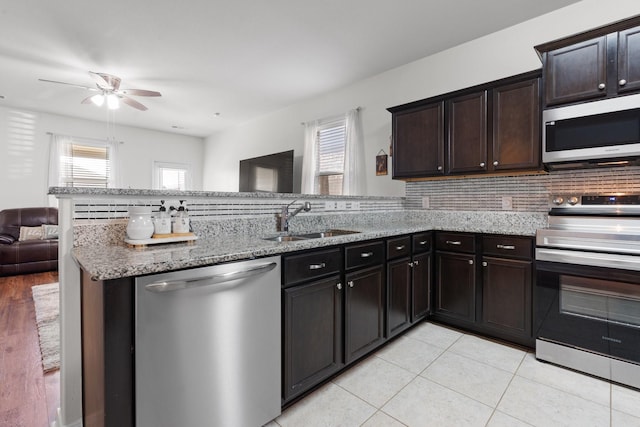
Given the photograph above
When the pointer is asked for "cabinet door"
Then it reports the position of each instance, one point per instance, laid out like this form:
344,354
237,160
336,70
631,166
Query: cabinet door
515,134
398,296
629,60
418,142
421,277
312,334
456,286
506,296
576,72
364,312
467,142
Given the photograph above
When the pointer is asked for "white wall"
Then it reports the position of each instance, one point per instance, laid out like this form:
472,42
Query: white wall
24,153
495,56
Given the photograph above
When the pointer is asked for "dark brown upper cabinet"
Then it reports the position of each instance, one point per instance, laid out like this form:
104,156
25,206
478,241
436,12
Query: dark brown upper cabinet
488,128
515,130
604,62
418,142
467,133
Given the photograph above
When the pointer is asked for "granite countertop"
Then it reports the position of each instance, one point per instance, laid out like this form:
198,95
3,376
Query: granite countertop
119,261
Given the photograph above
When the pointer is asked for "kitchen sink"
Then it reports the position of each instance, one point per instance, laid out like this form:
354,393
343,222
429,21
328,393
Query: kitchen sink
307,236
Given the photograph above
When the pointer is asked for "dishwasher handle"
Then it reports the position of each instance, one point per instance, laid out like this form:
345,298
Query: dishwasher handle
174,285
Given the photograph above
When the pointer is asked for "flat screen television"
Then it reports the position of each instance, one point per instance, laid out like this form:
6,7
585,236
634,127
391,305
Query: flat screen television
272,173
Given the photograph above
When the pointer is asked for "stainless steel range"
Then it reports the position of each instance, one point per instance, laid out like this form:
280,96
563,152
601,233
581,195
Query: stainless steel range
587,292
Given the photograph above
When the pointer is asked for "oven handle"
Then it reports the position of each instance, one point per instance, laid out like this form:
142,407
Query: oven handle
594,259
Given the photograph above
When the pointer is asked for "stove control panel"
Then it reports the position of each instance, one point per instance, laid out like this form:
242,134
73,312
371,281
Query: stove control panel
601,204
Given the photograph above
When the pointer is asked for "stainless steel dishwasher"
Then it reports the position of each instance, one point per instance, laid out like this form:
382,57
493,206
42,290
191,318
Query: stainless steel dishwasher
207,346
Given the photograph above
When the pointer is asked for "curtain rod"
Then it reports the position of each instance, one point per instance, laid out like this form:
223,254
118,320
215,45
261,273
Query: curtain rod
329,117
81,137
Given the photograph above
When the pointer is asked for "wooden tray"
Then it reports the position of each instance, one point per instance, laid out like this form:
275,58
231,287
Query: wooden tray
163,238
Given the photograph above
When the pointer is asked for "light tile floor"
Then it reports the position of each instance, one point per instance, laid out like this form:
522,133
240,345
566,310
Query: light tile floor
436,376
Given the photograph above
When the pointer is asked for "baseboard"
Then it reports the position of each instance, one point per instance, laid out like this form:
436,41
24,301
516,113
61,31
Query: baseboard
58,421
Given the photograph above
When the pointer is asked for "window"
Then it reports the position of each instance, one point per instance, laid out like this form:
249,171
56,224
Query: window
78,162
171,176
331,148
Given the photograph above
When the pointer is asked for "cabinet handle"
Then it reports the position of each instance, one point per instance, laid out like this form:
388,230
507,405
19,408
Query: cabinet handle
410,264
601,86
453,242
484,263
439,168
506,247
399,248
481,164
317,266
622,82
495,163
350,283
470,262
366,254
416,262
339,286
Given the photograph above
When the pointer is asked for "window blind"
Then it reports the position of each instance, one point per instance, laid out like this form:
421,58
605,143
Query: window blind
85,166
331,149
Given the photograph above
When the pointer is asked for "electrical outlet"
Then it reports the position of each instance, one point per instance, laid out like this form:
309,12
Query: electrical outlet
330,206
341,206
355,206
507,203
425,202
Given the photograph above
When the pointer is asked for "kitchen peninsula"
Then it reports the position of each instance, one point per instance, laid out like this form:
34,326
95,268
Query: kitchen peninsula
230,227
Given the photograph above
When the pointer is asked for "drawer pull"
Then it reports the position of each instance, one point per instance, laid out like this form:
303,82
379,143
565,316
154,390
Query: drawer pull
506,247
366,254
424,242
317,266
399,248
453,242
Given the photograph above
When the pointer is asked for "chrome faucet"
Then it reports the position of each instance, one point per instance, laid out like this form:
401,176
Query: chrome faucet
285,215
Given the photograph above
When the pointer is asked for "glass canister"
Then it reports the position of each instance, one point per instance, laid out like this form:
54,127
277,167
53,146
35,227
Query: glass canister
140,225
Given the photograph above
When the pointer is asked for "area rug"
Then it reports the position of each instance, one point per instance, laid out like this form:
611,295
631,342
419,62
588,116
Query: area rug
46,301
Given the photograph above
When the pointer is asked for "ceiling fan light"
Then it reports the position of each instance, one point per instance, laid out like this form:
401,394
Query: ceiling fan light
113,103
98,100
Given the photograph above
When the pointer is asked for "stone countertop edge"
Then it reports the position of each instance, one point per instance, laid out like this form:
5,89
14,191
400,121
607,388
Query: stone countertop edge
120,261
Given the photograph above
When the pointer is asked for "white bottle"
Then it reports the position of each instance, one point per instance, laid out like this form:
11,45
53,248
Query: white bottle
162,221
181,220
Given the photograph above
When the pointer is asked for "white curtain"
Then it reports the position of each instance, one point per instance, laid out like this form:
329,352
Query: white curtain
310,158
354,180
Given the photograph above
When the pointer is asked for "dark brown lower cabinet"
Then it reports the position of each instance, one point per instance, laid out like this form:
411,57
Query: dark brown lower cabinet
456,286
312,331
398,296
421,278
506,295
364,311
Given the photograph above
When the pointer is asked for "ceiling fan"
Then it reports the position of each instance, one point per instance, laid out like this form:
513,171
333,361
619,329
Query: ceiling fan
108,88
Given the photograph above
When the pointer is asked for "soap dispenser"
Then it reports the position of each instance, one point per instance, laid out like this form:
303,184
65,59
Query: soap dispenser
162,222
181,221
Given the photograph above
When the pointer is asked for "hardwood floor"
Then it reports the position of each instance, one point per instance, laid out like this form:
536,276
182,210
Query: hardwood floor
28,397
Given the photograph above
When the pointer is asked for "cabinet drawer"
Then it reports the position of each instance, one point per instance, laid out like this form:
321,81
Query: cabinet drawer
456,242
364,254
508,246
399,247
298,268
421,242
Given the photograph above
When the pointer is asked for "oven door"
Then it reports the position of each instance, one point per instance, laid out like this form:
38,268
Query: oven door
588,306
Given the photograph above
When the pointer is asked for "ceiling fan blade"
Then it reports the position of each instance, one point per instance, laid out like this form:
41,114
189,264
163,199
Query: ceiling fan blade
105,81
133,103
140,92
70,84
87,100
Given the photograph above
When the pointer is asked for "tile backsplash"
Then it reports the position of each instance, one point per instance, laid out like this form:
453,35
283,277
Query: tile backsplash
526,193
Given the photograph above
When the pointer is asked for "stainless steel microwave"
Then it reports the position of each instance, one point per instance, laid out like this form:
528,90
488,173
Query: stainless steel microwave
597,133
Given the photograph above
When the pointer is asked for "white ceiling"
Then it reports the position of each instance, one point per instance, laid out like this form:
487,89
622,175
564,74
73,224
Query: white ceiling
239,58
